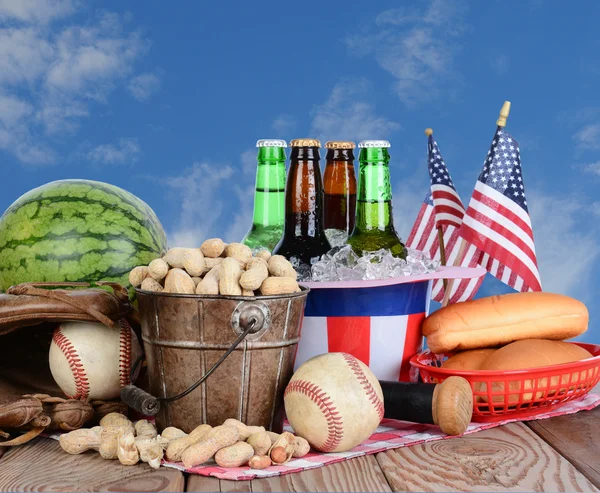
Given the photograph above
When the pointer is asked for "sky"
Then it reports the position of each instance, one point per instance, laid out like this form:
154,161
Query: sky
167,100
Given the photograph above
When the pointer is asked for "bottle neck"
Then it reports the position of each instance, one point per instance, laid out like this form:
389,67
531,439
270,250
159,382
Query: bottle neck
339,155
269,194
374,197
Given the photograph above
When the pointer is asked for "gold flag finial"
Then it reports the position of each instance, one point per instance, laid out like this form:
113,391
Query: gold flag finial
429,132
504,112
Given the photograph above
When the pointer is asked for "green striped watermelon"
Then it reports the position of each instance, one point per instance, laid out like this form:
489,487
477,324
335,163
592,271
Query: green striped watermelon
77,230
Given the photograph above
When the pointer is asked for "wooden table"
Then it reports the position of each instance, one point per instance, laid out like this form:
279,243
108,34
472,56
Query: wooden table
557,454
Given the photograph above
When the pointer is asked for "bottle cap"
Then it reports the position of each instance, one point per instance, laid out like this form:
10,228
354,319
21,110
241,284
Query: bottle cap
373,143
271,143
305,143
339,144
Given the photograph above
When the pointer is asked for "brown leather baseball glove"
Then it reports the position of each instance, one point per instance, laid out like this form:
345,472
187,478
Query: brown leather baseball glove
30,400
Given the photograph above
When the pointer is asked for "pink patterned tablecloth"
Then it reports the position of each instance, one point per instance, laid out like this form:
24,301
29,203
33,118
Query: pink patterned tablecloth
390,434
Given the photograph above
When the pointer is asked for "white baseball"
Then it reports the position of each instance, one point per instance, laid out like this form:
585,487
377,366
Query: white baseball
334,401
93,361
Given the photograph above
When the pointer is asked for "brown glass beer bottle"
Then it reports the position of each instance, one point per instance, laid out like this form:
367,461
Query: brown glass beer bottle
339,184
304,240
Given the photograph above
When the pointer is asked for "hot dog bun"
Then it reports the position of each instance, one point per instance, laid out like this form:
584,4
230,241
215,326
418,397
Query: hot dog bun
499,320
468,360
533,353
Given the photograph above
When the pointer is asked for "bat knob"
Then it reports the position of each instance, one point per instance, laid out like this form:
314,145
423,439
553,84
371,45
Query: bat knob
452,405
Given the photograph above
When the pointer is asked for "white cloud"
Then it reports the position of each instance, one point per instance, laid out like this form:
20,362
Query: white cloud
593,168
199,191
588,137
408,195
345,116
50,77
416,48
566,243
125,151
284,124
40,11
143,86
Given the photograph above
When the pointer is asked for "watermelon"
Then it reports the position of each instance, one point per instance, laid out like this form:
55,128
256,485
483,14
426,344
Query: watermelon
77,230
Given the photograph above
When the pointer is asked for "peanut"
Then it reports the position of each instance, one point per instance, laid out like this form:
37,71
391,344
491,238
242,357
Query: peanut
79,441
127,452
150,451
283,449
235,455
143,428
264,254
171,433
212,262
197,280
210,283
176,448
279,285
179,281
256,261
279,266
216,439
109,440
137,275
158,269
229,277
254,277
115,419
213,248
261,443
150,284
193,262
273,436
174,257
302,447
244,430
259,462
247,292
242,253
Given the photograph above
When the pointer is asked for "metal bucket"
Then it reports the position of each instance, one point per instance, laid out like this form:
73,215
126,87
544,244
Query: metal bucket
186,335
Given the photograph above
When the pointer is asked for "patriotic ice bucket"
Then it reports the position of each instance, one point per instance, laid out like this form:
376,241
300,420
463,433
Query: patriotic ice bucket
378,322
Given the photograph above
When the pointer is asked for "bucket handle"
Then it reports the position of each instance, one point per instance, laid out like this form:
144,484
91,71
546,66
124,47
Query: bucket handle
252,320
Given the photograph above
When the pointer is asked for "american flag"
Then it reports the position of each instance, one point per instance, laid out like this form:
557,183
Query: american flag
496,226
442,207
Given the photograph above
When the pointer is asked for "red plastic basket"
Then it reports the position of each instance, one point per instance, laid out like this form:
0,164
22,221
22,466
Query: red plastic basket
500,395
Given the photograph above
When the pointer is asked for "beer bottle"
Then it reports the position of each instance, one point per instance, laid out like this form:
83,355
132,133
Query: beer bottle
269,196
303,234
374,227
339,184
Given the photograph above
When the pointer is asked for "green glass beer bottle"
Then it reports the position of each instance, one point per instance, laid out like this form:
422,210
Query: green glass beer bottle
269,196
374,226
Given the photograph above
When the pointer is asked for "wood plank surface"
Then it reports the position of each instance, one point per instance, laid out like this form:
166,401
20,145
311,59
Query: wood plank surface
360,474
507,458
576,437
41,465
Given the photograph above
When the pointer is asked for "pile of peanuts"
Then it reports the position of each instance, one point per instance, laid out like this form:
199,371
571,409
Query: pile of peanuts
232,444
217,268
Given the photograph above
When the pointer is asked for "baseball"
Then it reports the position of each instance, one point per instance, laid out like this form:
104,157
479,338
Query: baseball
90,361
334,401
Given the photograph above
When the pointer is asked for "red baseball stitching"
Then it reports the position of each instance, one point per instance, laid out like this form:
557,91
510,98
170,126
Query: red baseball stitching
124,353
364,381
82,385
335,432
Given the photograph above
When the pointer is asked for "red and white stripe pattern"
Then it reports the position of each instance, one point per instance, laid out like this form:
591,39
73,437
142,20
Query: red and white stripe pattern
448,207
496,226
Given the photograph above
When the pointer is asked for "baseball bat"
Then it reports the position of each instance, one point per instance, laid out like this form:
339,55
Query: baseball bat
448,405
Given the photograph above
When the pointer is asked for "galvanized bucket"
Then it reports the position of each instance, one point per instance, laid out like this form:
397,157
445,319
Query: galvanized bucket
185,336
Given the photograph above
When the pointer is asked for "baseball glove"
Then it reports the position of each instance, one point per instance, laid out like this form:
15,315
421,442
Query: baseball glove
30,400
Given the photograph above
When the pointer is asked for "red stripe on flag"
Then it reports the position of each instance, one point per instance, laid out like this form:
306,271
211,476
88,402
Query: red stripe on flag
413,343
413,233
350,335
426,233
502,210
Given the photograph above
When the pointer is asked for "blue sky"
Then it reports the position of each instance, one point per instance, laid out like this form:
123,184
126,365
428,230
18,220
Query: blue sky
168,99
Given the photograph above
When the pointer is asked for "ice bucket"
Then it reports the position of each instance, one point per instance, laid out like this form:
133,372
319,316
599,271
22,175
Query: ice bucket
378,322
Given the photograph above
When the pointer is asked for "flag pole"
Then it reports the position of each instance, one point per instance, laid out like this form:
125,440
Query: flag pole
440,232
501,123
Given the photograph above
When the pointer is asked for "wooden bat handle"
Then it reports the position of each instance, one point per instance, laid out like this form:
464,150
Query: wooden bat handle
448,404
